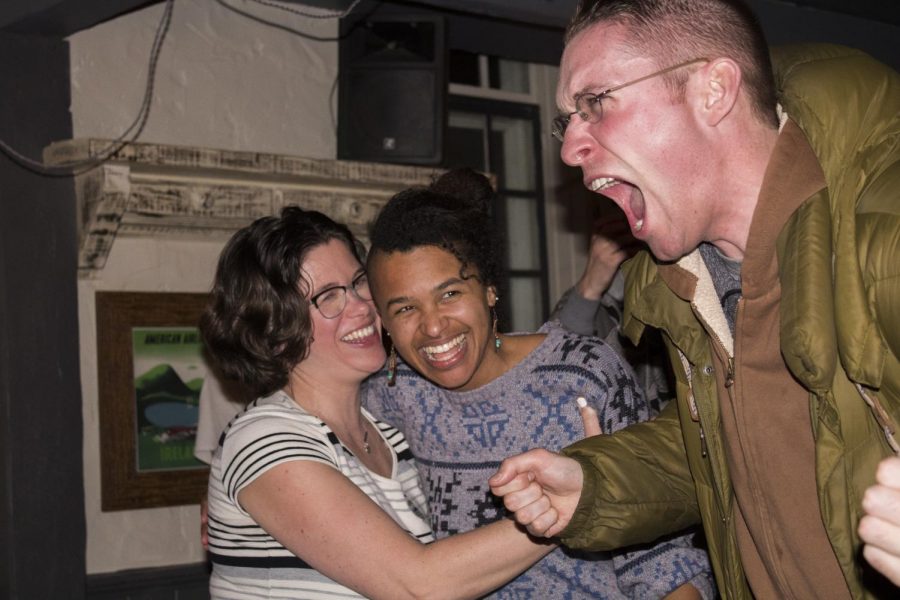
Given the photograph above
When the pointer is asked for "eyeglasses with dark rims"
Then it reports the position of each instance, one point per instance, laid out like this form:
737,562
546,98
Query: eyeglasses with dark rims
332,301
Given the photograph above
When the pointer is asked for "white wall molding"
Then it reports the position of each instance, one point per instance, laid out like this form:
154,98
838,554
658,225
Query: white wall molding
162,190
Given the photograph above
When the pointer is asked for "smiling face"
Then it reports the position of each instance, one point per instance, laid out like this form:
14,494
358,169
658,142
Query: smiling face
439,321
347,347
648,152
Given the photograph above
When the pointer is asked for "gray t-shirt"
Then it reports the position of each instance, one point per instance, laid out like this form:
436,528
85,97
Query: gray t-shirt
726,277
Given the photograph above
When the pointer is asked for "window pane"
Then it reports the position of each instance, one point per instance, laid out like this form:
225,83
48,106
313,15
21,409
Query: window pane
509,75
513,142
464,68
465,145
522,233
525,296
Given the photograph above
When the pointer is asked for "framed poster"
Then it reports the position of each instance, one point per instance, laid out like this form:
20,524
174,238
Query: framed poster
150,371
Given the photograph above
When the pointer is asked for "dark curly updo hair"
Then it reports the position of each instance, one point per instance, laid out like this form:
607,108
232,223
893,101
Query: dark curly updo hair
452,213
257,324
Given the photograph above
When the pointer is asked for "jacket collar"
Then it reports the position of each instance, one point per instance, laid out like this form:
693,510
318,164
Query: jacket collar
792,220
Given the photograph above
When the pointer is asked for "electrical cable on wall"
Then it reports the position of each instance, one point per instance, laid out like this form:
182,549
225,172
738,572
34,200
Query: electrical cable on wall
323,15
68,169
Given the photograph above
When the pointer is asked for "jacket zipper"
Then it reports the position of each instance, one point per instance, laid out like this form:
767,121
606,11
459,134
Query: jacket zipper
692,402
729,376
704,449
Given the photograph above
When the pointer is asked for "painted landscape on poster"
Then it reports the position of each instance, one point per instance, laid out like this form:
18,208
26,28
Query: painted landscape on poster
168,374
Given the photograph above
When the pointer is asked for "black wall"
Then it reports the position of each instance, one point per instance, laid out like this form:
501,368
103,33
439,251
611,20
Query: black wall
42,531
785,22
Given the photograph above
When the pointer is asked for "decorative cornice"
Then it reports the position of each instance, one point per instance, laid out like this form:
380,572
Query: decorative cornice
159,190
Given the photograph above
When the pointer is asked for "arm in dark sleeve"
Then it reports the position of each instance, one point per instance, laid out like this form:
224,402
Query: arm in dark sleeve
637,486
583,316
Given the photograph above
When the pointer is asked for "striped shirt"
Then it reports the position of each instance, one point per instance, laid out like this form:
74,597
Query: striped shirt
250,563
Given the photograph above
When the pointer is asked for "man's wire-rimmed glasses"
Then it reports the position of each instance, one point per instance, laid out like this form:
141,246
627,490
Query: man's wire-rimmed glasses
332,301
589,106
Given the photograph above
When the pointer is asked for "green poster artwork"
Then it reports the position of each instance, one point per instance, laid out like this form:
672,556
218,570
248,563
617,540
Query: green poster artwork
168,374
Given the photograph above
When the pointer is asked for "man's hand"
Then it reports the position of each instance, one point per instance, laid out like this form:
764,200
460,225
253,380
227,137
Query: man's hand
611,243
880,528
542,488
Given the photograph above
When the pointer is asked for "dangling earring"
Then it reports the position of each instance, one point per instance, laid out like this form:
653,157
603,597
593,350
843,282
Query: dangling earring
392,366
497,341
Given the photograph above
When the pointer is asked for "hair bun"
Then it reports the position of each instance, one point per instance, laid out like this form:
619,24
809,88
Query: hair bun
472,189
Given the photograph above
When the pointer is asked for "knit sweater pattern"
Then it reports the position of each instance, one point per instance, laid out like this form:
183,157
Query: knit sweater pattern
459,439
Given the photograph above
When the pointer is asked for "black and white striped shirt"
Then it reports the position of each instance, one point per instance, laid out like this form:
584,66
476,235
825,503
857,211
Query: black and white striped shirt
250,563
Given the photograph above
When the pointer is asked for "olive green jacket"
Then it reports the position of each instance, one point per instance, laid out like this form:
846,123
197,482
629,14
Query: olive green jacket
839,266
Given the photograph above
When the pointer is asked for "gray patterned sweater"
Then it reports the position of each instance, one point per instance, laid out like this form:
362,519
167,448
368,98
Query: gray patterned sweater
459,439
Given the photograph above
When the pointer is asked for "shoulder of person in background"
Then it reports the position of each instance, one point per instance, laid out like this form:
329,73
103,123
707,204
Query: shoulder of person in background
593,306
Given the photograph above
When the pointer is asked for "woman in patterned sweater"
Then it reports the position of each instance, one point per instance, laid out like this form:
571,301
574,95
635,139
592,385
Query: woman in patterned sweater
434,268
310,496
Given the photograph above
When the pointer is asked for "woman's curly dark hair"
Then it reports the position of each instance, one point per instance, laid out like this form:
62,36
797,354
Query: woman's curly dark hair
257,324
452,213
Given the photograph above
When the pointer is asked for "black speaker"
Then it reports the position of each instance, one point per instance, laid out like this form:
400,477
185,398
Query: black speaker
391,94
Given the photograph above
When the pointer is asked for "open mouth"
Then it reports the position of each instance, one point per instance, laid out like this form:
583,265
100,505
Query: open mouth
441,354
359,335
632,202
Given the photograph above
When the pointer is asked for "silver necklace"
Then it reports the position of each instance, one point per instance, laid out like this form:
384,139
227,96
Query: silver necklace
366,446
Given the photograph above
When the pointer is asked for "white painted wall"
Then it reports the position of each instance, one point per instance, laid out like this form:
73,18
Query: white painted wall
148,537
224,81
568,207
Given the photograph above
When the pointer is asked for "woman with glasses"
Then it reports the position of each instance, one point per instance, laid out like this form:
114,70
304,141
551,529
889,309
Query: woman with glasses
466,396
310,496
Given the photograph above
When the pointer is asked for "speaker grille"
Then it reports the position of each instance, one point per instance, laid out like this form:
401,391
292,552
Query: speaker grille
391,93
392,114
